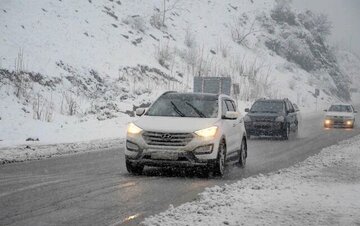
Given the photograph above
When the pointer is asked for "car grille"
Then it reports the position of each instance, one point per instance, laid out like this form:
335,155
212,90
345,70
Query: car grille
167,139
263,119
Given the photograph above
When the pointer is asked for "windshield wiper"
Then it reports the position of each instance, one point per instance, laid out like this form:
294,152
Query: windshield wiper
196,110
177,109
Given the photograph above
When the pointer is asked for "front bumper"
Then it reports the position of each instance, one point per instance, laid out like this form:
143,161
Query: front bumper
339,123
185,161
184,156
264,128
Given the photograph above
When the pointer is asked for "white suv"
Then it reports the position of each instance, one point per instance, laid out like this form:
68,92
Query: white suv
187,130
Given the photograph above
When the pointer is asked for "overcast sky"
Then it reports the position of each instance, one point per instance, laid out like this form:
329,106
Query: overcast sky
345,15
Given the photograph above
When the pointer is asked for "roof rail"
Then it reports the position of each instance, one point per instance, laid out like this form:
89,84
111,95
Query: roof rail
168,92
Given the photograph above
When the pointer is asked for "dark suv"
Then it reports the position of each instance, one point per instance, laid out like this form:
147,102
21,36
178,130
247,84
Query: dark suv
271,117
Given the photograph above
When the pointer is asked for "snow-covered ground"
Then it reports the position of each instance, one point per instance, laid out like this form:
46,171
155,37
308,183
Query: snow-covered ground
104,56
323,190
33,151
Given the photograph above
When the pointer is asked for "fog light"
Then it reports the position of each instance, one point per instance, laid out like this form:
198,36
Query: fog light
207,149
327,122
132,146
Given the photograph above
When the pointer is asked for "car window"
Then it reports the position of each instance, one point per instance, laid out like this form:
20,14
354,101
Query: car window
290,107
230,105
267,107
180,105
296,108
224,108
340,108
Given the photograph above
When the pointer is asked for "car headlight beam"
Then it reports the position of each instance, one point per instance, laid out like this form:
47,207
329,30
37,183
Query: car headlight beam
327,121
208,132
133,129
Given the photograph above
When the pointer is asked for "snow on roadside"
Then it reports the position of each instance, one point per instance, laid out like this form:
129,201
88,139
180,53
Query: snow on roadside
35,152
323,190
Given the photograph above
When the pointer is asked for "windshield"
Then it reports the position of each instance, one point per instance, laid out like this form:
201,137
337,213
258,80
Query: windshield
267,106
340,108
185,105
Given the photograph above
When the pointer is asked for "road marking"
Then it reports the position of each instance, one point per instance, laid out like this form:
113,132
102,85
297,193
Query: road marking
29,187
129,184
129,218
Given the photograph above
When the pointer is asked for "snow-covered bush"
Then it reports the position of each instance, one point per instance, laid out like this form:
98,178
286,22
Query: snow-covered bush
69,105
164,55
136,22
297,50
318,24
283,12
190,39
224,49
156,20
241,29
43,109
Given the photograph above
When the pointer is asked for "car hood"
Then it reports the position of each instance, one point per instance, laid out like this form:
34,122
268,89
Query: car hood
174,124
342,114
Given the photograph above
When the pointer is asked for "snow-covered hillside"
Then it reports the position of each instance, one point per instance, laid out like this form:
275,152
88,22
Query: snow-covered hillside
79,63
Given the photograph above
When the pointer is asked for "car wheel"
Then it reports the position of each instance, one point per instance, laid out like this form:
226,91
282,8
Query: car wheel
134,169
243,153
286,132
220,161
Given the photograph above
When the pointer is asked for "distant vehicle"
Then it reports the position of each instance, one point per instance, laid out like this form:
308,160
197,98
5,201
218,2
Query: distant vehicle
340,115
271,117
187,130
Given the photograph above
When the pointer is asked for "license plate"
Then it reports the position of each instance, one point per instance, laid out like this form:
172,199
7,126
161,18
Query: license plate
165,155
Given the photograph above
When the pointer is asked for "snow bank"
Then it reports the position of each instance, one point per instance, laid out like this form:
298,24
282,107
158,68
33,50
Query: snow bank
35,152
323,190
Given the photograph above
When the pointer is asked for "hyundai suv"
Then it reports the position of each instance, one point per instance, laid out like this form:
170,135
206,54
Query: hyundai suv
271,117
187,130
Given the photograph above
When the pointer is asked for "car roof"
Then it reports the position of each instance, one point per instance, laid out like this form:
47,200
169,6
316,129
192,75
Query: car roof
197,94
344,104
270,100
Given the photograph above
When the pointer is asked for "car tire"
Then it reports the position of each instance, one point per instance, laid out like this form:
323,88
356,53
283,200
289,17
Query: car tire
286,132
134,169
243,153
219,167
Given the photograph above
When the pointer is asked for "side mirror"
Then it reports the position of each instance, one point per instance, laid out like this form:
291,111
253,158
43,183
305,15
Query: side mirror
140,111
232,115
325,110
355,111
247,110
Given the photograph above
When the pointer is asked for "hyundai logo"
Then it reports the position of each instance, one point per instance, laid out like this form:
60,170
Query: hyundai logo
166,137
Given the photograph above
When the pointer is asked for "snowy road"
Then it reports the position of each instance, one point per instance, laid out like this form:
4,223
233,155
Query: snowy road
95,189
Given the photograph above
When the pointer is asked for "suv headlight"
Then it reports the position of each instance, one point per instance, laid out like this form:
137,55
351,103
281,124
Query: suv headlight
133,129
208,132
247,118
280,119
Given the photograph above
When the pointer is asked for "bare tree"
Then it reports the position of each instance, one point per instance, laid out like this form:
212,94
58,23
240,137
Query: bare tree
69,104
158,20
239,34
